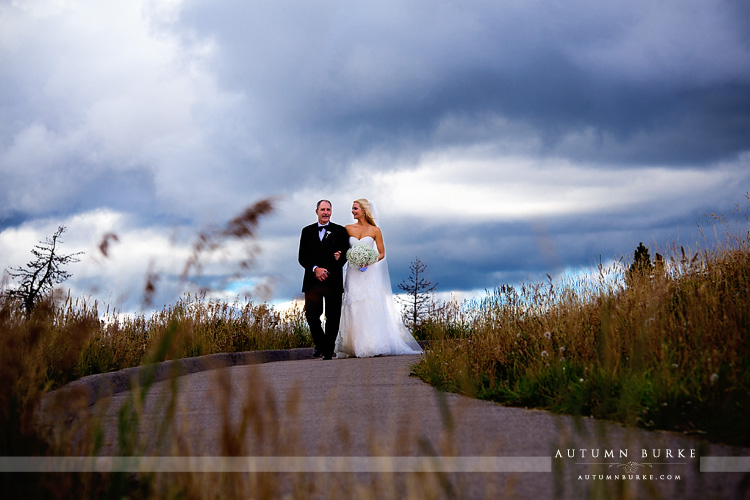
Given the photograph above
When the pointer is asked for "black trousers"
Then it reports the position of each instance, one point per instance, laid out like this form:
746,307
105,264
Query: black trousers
315,301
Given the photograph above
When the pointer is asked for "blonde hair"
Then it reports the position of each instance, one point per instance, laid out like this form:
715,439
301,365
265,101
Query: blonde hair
366,210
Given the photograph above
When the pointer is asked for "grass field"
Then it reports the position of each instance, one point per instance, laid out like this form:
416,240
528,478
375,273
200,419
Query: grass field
664,347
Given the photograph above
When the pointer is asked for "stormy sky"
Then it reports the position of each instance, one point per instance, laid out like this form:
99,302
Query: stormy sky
501,140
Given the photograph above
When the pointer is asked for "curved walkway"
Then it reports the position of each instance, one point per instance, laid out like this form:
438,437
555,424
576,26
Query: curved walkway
336,429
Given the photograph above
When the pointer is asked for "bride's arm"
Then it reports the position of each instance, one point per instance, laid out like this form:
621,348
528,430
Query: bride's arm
379,243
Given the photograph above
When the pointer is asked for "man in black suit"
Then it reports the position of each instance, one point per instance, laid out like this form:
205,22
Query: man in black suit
322,252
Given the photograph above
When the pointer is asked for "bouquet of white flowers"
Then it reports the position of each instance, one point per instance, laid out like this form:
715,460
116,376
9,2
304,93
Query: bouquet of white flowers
362,256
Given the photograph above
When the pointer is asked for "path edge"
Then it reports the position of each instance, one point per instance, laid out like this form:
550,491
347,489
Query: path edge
92,388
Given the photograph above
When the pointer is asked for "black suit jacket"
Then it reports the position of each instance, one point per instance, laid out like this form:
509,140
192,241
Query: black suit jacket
316,253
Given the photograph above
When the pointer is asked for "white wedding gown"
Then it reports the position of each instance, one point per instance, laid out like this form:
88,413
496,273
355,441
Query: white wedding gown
369,323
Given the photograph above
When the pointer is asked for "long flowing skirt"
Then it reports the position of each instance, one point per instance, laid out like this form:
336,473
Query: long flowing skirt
369,324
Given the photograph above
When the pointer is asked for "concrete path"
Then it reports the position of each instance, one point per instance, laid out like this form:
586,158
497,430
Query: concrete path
328,429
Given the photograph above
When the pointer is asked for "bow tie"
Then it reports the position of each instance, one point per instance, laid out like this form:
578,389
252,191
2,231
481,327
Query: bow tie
320,228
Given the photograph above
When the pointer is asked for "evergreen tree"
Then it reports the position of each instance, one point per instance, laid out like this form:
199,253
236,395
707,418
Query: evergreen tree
641,263
419,294
44,272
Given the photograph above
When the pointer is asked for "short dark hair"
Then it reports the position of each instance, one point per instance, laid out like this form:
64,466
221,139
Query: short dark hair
321,201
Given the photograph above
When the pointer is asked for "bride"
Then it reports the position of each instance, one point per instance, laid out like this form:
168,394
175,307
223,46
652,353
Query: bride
369,323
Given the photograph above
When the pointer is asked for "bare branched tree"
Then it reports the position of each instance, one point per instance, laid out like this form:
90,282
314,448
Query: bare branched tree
40,275
419,292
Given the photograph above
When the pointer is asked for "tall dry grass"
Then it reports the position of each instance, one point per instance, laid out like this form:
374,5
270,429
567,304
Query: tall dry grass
668,349
68,339
34,349
199,327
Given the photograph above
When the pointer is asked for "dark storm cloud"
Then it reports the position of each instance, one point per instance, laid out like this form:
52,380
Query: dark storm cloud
69,184
388,77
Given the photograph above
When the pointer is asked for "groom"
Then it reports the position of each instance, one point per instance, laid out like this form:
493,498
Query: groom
322,252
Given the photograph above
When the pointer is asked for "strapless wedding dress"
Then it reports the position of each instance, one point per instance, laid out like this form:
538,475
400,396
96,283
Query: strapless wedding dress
369,324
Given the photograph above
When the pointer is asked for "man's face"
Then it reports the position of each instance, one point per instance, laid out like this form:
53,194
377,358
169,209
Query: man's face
324,213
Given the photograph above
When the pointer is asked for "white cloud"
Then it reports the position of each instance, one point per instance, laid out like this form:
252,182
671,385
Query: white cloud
460,185
105,90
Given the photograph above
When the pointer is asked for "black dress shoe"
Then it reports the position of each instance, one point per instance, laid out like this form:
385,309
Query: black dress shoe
317,353
328,356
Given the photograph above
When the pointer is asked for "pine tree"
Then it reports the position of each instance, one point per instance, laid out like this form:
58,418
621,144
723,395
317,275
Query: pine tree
641,265
41,274
419,294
